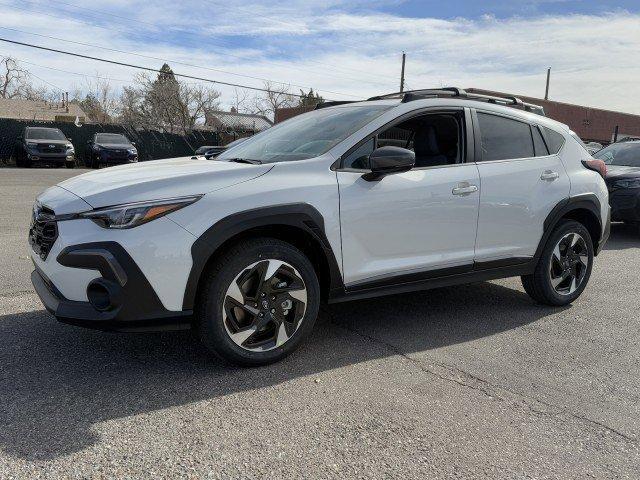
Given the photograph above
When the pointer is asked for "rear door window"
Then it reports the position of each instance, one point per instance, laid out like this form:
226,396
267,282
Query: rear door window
504,138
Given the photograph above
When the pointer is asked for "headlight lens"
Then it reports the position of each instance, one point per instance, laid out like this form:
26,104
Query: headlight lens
627,183
133,214
69,146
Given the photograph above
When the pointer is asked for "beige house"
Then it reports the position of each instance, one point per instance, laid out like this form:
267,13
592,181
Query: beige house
19,109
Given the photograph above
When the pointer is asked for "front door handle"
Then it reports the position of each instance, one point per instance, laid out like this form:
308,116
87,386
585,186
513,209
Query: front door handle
549,175
464,188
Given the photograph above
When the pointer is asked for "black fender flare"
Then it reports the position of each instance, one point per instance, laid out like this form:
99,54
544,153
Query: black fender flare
299,215
587,201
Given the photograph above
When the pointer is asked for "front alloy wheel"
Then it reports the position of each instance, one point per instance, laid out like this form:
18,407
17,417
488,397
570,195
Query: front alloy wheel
264,305
257,302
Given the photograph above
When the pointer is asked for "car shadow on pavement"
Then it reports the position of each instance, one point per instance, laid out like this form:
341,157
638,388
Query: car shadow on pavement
623,236
58,381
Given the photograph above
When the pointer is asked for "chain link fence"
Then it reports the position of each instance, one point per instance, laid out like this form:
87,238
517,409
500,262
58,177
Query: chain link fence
151,145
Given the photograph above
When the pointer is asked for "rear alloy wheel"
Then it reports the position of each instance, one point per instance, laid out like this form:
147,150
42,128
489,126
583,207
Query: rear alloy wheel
257,302
568,264
564,267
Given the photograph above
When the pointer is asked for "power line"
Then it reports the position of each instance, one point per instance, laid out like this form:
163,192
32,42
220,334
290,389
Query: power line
166,60
187,32
140,67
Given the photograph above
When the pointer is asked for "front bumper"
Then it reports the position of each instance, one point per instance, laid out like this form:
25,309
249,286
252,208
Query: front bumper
126,300
50,157
112,158
625,205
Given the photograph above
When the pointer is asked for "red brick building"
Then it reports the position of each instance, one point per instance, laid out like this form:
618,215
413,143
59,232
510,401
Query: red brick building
591,124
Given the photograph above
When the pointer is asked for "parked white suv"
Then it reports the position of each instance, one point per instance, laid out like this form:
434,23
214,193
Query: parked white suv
350,201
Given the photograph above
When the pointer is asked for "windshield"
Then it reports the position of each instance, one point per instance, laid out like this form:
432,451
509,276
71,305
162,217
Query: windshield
305,136
111,138
44,134
627,154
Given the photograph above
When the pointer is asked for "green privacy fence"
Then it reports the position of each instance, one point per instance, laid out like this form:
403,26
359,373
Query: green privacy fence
151,145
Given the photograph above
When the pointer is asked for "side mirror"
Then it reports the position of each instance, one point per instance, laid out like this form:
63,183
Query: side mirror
134,144
69,139
388,160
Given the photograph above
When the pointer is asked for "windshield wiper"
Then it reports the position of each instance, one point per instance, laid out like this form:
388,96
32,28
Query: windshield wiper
245,160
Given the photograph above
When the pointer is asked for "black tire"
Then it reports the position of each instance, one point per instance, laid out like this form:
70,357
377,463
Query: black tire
70,164
209,321
538,285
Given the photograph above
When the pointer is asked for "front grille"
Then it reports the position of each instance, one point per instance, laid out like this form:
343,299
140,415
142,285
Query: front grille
118,153
44,230
50,148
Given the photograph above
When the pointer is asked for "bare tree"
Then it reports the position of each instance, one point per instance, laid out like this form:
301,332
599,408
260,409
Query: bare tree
99,102
273,99
16,82
165,103
243,102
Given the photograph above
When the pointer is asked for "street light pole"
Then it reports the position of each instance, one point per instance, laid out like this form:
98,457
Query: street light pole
404,58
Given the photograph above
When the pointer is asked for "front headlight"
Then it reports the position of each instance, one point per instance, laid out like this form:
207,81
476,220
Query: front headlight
627,183
69,146
133,214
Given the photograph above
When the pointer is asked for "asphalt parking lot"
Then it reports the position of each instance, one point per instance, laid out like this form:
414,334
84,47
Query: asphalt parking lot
466,382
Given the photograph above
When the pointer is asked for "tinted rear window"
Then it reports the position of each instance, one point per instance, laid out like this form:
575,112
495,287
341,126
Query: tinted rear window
503,138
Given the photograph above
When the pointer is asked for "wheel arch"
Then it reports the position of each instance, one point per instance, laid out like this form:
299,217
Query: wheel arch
582,208
299,224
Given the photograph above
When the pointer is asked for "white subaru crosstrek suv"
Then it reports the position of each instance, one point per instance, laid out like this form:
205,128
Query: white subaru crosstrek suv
400,193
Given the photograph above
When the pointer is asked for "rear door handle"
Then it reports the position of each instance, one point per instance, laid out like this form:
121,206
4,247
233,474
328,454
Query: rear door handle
464,188
549,175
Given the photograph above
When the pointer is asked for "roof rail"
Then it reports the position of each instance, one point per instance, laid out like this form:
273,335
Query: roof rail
449,92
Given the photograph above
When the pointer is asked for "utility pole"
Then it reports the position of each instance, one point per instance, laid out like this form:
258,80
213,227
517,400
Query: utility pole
404,59
546,92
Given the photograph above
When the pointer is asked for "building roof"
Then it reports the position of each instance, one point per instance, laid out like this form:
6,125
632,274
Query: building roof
591,124
20,109
241,122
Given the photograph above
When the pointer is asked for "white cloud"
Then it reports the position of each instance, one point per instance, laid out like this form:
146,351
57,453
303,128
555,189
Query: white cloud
339,49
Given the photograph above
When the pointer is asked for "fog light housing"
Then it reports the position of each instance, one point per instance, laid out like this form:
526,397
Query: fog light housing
103,295
69,157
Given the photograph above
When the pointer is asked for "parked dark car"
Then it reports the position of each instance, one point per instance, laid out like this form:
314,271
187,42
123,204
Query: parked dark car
45,146
210,151
623,180
109,149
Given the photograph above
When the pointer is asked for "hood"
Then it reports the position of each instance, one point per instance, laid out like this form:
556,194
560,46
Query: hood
622,171
44,140
176,177
122,146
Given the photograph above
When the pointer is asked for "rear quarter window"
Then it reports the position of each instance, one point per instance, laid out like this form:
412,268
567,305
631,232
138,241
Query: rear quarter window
554,140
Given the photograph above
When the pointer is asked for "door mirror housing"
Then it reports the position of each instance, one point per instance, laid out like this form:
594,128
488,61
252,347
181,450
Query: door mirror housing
388,160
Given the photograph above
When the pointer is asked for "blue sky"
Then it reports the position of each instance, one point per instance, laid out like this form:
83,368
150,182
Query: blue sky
504,9
345,49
